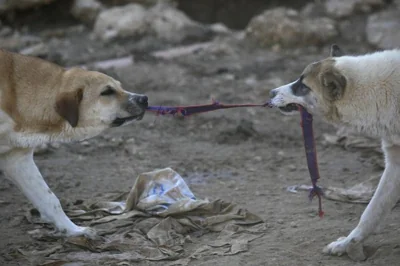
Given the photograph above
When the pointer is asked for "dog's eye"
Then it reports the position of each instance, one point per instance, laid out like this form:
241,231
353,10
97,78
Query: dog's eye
299,89
108,91
303,89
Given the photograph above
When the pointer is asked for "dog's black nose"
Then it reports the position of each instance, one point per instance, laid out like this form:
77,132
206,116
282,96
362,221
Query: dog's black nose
142,100
272,93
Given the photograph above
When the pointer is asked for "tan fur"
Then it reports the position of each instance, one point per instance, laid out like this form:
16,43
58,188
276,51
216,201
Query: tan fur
42,102
327,82
362,93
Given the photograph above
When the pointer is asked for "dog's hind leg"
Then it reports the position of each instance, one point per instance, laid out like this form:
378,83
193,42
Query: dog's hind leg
19,167
385,197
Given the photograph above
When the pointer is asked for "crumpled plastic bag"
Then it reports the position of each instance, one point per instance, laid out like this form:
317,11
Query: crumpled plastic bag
161,192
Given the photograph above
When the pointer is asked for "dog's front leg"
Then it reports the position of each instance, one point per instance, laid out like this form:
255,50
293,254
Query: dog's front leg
18,166
385,197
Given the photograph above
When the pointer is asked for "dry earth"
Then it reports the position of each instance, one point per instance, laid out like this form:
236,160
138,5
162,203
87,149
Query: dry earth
248,156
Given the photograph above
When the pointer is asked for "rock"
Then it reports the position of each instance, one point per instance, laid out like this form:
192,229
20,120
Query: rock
181,50
220,28
146,2
285,27
8,5
17,41
85,143
236,14
86,10
5,31
172,25
114,63
352,29
124,21
340,8
258,158
292,167
163,21
382,29
313,9
293,224
39,50
345,8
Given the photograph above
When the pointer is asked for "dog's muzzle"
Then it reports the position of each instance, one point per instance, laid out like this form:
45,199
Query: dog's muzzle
142,101
136,106
291,107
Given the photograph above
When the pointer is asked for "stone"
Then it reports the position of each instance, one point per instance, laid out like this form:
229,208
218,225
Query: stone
8,5
86,10
287,28
172,25
162,21
38,50
345,8
382,29
313,9
17,41
147,2
220,28
123,21
5,31
352,29
340,8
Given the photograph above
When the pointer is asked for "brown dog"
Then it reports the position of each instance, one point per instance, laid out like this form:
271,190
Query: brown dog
41,102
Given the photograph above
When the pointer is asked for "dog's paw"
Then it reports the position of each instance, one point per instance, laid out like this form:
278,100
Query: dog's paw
44,234
344,245
84,231
337,247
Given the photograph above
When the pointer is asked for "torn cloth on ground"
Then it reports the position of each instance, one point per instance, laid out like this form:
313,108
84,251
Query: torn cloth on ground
359,193
371,150
161,219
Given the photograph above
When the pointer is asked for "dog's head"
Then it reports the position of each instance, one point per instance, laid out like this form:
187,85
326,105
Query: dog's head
318,88
90,99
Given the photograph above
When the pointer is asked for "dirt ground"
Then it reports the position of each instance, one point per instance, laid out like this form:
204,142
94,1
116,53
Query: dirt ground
248,156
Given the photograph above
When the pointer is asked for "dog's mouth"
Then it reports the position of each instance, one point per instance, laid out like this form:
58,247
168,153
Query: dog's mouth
291,107
119,121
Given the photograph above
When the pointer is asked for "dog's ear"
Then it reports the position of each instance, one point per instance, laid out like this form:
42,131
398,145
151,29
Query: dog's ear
333,84
67,106
336,51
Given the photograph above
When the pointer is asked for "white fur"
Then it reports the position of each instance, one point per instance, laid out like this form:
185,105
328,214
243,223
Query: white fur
286,96
372,109
371,105
18,166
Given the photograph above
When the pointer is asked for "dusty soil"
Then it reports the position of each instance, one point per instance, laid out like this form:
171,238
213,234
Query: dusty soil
248,156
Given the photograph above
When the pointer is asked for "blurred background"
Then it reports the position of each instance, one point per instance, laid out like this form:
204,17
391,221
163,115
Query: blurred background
188,52
75,32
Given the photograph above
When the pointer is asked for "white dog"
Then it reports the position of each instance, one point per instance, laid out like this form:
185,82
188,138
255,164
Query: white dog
41,102
361,92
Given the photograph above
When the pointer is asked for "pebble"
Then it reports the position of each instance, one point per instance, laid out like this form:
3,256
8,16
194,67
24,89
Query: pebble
258,158
293,224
